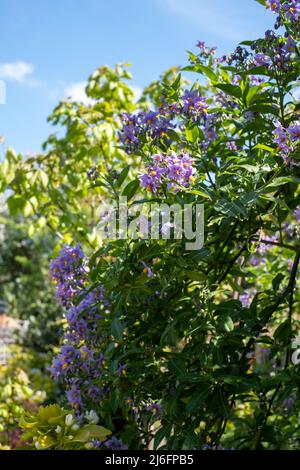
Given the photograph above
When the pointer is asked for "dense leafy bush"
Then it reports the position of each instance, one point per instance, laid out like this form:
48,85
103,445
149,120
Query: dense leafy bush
24,385
25,283
171,347
54,428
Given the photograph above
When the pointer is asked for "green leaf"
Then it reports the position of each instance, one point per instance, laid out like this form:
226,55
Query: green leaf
203,70
192,134
122,176
198,398
283,331
27,424
117,329
15,204
198,192
232,90
227,323
191,440
161,434
283,180
277,281
264,147
264,109
196,276
176,84
43,177
222,403
192,377
260,70
246,43
131,188
234,208
91,431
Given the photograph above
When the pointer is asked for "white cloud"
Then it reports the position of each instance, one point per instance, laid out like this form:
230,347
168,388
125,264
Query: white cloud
76,92
16,71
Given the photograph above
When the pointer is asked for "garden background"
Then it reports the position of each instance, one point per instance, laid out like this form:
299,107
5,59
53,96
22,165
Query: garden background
141,343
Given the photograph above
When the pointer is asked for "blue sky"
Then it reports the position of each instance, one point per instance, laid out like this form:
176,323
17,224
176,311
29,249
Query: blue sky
50,47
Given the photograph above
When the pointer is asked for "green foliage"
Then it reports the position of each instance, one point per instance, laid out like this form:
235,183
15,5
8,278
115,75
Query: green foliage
25,283
207,336
23,386
54,428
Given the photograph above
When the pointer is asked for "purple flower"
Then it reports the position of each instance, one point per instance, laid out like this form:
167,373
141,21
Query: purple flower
294,131
83,318
115,444
64,361
122,370
149,118
129,136
264,247
156,409
254,80
68,271
149,182
224,101
209,130
292,10
281,137
147,270
205,52
165,229
74,397
261,59
249,116
154,124
131,405
290,46
255,261
194,105
274,5
231,145
296,214
96,443
290,264
67,261
170,168
200,44
153,178
245,299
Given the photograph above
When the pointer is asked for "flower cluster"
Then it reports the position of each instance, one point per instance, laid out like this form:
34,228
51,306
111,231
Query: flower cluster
224,100
79,363
205,51
110,444
246,298
64,361
194,104
273,52
155,409
290,9
209,131
67,271
171,168
83,318
155,125
286,138
136,127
